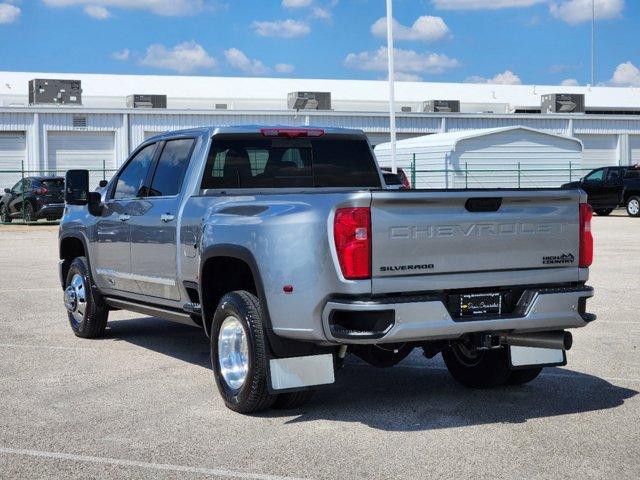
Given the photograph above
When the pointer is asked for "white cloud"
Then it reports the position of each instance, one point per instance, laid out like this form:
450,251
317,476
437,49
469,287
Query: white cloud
183,58
625,75
122,55
483,4
579,11
407,77
284,68
321,13
160,7
281,28
505,78
407,61
237,59
97,12
296,3
426,28
570,82
9,13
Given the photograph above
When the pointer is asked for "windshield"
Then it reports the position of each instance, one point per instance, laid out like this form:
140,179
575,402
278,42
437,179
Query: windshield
255,161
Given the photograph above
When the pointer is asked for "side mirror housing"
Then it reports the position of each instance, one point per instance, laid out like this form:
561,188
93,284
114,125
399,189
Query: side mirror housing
95,204
7,190
103,183
76,187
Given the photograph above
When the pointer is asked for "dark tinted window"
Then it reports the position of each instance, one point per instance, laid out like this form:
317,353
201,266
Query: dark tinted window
613,174
134,174
172,166
53,183
254,161
632,173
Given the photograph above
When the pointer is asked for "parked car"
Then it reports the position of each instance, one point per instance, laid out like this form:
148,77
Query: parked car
611,187
284,245
35,198
395,180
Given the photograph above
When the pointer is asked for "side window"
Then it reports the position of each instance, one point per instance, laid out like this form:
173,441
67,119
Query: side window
596,176
613,174
632,173
172,167
132,177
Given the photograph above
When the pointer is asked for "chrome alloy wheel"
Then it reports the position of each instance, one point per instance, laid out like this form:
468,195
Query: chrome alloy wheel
233,352
75,298
633,207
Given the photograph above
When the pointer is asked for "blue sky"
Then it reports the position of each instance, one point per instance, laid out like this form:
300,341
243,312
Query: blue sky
498,41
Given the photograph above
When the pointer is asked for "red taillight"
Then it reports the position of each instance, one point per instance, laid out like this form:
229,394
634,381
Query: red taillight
352,235
586,238
292,132
41,191
405,181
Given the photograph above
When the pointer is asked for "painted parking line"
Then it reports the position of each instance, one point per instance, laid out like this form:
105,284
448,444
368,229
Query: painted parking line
167,467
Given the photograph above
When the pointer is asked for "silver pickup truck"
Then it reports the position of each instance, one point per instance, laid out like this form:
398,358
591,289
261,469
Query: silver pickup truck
283,245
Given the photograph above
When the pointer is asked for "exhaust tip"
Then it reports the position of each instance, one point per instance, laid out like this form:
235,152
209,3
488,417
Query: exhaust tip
568,340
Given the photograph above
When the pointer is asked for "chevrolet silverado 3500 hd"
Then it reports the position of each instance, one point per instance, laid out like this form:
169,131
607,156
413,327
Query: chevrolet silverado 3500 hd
284,247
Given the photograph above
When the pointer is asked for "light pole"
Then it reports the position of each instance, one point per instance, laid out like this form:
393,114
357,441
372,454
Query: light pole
392,93
593,43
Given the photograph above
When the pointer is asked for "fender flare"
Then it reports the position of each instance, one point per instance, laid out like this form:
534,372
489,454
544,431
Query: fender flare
77,236
240,253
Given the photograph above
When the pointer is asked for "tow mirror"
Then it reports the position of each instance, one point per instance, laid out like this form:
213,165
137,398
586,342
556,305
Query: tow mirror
76,187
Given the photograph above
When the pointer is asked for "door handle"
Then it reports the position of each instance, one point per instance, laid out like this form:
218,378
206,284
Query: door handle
167,217
124,217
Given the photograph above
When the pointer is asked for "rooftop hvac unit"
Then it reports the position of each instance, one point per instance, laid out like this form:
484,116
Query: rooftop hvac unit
309,101
563,103
146,101
56,92
441,106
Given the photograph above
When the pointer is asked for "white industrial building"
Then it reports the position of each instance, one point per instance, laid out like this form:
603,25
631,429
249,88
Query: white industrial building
494,157
103,130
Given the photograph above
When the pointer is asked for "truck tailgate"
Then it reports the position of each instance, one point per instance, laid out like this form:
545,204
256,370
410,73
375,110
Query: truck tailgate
421,238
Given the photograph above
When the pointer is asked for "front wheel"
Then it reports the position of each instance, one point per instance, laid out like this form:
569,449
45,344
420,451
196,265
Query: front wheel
477,368
633,206
603,212
87,312
239,353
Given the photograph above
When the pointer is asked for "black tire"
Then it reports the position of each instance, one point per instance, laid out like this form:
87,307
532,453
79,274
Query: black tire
94,318
28,213
520,377
633,206
286,401
477,368
4,214
253,395
603,212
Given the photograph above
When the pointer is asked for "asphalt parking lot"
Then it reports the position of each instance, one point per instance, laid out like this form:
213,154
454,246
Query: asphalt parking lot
141,402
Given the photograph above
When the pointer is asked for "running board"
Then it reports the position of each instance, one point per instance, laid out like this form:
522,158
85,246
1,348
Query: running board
151,310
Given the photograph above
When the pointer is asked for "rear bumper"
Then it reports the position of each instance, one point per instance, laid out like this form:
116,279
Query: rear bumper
424,319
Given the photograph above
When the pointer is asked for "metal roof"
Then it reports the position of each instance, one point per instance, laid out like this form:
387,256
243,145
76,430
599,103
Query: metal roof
201,87
450,140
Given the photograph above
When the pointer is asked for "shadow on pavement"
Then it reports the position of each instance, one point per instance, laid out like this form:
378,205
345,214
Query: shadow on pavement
416,395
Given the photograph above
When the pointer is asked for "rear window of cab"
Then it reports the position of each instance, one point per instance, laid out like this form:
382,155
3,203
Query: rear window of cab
256,161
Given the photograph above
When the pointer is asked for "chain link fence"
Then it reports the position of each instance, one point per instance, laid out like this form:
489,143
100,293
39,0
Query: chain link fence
21,202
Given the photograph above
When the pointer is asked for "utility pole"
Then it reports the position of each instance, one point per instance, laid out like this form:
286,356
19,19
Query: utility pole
593,43
392,92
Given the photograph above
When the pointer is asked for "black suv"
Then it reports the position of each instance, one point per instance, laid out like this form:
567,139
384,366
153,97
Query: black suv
611,187
35,197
